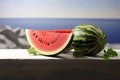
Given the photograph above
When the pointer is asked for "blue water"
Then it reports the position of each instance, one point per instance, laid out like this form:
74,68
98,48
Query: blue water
111,27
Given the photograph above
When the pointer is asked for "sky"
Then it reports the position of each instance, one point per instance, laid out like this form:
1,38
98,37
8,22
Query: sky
59,8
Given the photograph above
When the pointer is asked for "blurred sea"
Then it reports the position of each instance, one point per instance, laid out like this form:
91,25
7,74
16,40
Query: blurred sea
111,27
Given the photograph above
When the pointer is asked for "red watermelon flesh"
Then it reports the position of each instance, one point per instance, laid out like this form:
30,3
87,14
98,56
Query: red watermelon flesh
49,42
60,31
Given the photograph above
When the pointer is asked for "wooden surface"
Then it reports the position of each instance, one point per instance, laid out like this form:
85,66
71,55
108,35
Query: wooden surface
17,64
59,69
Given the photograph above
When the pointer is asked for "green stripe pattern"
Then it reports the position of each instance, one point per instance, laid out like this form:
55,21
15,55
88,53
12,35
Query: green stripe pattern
88,39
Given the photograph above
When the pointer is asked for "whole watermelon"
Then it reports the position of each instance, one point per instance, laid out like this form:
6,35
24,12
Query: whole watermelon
88,40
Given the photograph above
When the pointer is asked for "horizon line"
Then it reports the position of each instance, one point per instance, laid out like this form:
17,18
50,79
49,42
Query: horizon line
52,18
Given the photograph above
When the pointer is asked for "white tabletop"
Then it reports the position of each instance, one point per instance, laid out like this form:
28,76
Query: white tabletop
23,54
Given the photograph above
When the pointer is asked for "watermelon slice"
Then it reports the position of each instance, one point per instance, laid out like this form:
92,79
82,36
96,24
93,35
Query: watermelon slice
49,42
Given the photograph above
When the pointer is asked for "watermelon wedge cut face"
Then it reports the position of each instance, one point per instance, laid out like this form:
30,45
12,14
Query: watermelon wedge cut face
49,42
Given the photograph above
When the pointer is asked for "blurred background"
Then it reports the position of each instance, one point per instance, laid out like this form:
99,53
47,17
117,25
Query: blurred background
18,15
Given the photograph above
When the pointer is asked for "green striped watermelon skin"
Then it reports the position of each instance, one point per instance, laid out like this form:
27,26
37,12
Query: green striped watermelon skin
88,40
